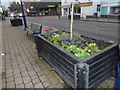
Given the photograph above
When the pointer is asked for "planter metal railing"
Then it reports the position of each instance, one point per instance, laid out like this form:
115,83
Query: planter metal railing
87,73
36,28
16,22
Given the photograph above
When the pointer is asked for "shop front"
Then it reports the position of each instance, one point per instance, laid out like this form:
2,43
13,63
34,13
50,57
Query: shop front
44,8
77,11
67,11
115,9
48,11
110,8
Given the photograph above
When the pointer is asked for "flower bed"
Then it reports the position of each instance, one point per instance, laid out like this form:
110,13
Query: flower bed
81,46
82,62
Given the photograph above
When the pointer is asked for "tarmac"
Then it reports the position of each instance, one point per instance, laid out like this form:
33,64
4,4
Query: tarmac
21,66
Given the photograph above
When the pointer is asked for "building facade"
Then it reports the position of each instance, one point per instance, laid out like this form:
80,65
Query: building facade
86,8
110,7
43,7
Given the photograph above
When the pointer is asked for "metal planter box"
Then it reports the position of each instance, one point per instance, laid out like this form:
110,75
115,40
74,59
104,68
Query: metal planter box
16,22
88,73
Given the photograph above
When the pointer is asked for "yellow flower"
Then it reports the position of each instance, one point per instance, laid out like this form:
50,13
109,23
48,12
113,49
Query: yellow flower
89,50
90,44
94,44
57,35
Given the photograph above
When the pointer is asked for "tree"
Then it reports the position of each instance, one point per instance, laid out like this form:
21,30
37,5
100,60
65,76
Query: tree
15,6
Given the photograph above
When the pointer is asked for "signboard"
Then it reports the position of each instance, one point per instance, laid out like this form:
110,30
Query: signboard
86,4
51,5
59,6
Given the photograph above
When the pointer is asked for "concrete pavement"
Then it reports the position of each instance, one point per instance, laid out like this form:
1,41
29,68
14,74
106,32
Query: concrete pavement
0,54
22,68
107,20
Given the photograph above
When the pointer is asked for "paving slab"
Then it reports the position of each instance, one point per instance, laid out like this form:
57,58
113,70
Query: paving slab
23,68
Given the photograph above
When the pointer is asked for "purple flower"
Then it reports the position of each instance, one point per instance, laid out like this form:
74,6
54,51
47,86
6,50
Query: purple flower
47,35
67,40
64,42
71,42
63,39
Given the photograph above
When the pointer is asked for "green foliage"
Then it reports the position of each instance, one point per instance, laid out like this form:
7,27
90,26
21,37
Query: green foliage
74,49
92,47
77,42
63,45
67,43
48,32
56,39
15,6
82,55
59,38
71,48
79,52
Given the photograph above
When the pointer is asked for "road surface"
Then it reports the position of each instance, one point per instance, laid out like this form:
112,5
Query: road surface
100,30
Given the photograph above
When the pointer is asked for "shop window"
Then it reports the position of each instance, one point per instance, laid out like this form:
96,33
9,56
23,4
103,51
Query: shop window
77,10
98,7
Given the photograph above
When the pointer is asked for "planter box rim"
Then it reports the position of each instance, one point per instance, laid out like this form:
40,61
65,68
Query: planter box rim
76,58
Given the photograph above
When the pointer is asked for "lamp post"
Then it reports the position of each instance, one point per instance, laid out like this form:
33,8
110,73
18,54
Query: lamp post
23,15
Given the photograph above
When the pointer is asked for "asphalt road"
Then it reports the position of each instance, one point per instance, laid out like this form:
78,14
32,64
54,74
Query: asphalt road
100,30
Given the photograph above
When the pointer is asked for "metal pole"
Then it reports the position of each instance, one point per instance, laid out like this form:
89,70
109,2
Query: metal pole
23,15
117,83
71,25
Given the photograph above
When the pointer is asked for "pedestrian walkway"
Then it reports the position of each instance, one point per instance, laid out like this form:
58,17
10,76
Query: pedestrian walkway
107,20
22,68
0,55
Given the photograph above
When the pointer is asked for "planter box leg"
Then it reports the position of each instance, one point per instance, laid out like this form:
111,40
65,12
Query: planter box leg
37,43
83,75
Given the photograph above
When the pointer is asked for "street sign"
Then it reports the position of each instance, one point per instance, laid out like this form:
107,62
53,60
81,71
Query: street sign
51,5
86,4
59,6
